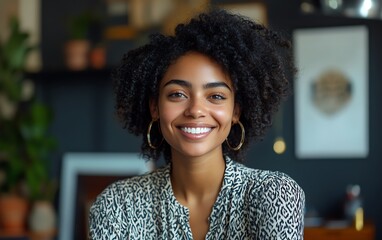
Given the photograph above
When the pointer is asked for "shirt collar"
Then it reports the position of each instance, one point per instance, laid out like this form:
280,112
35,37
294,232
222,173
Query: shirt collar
228,180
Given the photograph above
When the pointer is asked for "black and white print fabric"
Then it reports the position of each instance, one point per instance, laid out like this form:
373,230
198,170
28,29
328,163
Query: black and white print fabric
252,204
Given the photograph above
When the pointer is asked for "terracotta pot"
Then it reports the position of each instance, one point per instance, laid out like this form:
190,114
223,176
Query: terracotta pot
42,218
77,54
98,58
13,214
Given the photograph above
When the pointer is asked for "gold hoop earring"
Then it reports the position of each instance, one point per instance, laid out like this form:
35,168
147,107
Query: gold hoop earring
149,137
241,140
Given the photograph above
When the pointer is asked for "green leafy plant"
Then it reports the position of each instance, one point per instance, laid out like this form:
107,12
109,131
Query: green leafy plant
34,126
25,143
79,25
12,60
13,54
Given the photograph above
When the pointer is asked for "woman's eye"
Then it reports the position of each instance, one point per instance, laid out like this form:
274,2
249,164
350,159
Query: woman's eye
217,97
176,95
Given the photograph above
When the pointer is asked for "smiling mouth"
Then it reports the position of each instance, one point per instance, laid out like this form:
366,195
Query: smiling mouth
197,130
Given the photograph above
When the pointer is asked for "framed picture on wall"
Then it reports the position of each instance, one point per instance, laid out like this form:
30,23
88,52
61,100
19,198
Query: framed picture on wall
331,92
83,177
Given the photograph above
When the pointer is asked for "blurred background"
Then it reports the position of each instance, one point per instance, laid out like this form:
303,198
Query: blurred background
56,98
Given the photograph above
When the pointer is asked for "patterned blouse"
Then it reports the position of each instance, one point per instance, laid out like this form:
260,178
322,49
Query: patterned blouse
252,204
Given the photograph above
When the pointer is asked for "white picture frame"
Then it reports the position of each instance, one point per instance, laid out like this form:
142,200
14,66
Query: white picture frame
103,164
333,129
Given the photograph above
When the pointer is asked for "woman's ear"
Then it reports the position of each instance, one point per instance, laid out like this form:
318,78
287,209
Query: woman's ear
236,113
154,108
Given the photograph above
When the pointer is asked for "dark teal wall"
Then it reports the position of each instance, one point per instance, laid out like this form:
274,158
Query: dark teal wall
83,105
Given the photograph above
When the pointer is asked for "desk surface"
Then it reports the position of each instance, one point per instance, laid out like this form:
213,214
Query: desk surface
345,233
27,236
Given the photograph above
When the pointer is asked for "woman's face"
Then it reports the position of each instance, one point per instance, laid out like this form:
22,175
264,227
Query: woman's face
195,107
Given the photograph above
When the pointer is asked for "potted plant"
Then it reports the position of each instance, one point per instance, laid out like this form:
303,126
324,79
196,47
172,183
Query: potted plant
24,140
78,46
40,187
13,204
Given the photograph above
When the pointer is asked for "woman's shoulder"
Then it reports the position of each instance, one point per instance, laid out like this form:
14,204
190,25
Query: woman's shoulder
267,180
148,183
113,208
275,181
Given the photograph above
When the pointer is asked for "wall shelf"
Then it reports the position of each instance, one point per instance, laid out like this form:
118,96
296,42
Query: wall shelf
51,76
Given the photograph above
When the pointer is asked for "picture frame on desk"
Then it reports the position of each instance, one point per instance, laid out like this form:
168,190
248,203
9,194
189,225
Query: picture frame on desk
76,192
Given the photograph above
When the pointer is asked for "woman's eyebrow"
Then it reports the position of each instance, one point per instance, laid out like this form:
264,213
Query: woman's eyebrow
178,82
217,84
189,85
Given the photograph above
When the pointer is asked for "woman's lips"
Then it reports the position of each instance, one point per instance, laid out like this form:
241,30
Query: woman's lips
195,132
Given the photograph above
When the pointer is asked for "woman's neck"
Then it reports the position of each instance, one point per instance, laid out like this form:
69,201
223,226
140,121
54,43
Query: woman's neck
197,179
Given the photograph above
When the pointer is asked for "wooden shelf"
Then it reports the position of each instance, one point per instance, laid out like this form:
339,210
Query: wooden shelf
50,76
346,233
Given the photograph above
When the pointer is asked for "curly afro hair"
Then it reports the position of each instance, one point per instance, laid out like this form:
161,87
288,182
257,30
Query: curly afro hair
255,58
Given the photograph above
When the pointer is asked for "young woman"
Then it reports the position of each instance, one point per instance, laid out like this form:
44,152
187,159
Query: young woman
199,98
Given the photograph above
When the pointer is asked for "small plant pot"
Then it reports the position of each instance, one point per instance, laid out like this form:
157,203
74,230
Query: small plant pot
13,214
77,54
42,219
98,58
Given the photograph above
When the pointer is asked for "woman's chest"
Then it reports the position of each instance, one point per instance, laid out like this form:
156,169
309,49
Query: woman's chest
166,221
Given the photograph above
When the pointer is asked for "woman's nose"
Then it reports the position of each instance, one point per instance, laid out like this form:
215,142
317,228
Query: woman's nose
196,109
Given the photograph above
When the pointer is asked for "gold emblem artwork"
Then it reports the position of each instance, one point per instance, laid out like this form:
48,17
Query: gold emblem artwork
331,91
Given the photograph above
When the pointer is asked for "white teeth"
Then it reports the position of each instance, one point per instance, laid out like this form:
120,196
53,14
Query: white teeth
196,130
